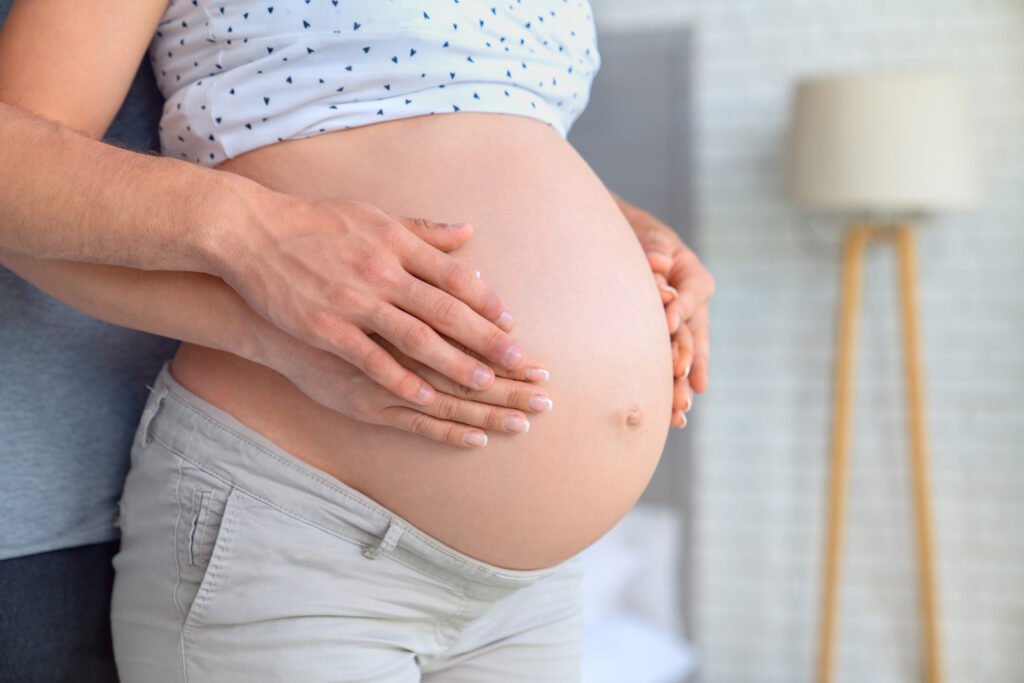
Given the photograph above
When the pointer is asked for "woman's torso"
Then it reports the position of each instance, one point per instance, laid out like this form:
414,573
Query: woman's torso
550,240
239,76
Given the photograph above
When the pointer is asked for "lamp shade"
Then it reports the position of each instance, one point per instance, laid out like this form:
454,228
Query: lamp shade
890,143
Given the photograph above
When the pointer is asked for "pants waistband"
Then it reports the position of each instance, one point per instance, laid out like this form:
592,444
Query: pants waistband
218,443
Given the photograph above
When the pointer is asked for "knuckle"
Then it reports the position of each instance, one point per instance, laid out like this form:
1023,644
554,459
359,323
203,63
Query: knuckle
515,396
491,305
390,230
450,434
418,222
457,276
416,336
447,408
495,342
377,271
379,318
445,310
375,361
327,328
408,385
463,391
495,419
419,423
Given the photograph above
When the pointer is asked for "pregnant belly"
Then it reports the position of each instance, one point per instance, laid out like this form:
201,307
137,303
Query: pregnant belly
550,240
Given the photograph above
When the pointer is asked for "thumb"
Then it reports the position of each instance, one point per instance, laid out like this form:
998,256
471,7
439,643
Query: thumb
443,236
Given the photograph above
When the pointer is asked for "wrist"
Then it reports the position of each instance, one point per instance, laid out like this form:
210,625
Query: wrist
230,214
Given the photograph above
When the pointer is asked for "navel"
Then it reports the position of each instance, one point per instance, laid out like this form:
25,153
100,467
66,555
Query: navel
630,417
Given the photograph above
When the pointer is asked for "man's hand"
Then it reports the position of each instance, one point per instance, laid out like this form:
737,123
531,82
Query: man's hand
686,287
332,273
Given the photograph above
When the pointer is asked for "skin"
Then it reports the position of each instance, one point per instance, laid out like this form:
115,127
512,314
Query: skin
272,248
686,287
122,223
108,246
553,240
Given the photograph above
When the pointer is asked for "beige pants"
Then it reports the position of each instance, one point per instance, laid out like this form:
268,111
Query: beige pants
239,562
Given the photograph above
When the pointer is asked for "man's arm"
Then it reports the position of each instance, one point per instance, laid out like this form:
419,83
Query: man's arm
202,309
103,204
65,195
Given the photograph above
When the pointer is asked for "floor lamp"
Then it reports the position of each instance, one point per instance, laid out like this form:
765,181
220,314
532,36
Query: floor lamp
892,145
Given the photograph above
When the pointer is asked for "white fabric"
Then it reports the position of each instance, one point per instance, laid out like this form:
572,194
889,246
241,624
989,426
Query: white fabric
241,74
631,622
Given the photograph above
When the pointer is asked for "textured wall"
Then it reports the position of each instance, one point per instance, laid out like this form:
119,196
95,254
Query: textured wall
762,431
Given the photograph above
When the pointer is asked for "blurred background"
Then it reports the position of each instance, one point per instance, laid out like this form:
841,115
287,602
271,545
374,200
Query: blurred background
717,576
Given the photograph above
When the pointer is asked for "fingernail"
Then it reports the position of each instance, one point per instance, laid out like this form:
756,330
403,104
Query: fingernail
658,253
424,395
513,355
689,404
477,273
476,439
686,373
541,403
683,415
505,321
481,376
669,288
675,322
537,374
517,424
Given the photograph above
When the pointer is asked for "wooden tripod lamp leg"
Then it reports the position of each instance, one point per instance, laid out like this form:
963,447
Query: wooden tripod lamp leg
853,268
906,249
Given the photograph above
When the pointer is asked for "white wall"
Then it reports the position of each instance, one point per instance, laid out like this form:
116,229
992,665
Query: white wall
762,430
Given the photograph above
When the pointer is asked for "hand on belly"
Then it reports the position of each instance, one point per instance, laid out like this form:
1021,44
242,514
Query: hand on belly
551,242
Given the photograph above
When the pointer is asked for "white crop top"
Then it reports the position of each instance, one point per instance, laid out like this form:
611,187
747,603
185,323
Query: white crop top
241,74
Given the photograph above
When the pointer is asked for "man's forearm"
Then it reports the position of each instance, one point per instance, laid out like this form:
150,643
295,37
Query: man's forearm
103,204
192,307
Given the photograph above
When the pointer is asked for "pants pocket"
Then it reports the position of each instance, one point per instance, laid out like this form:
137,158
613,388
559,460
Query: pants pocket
205,515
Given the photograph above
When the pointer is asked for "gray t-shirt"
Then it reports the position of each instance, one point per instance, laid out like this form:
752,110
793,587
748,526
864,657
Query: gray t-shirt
71,393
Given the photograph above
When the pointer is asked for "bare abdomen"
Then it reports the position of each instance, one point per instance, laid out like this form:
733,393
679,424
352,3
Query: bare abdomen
550,240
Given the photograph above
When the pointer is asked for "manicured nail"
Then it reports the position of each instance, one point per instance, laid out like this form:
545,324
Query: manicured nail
669,288
476,439
505,321
541,403
481,376
689,404
686,373
477,273
517,424
513,355
537,374
424,395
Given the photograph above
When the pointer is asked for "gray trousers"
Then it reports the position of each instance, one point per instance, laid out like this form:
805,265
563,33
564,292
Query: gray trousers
240,562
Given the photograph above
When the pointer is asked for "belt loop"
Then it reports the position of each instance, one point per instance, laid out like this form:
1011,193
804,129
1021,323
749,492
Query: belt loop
388,542
150,413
